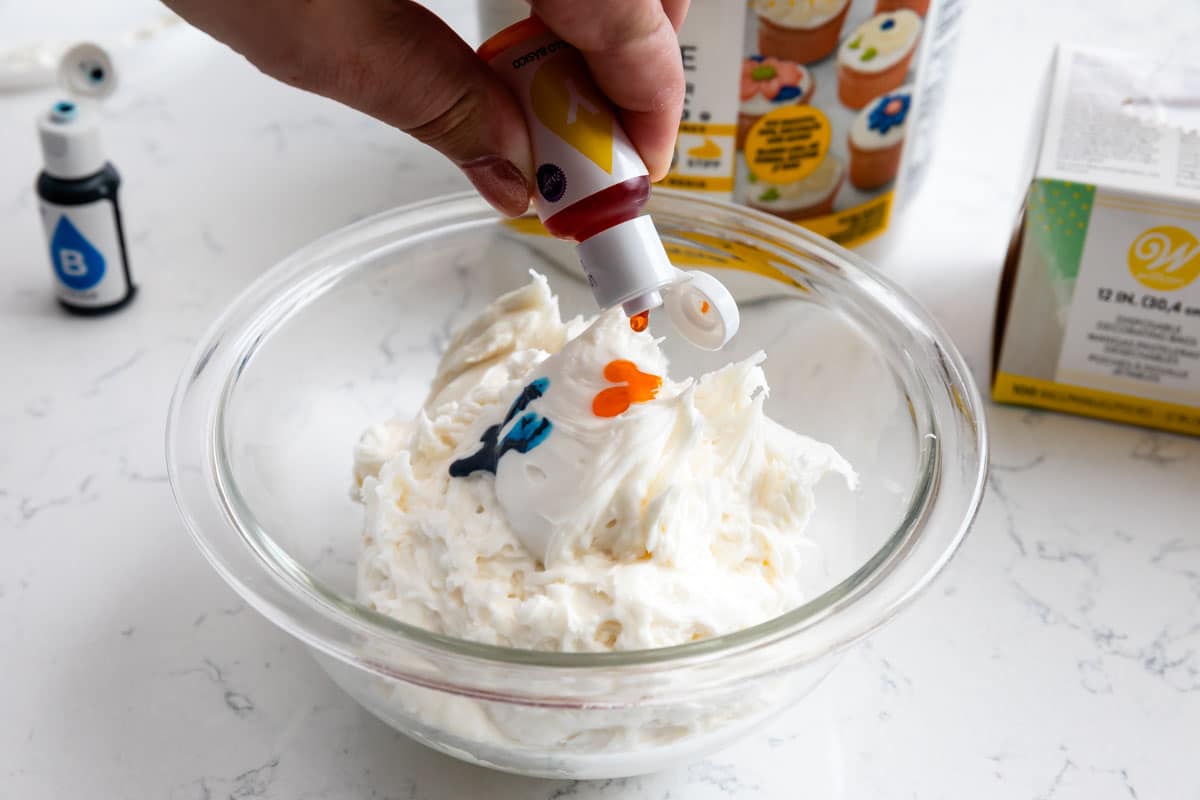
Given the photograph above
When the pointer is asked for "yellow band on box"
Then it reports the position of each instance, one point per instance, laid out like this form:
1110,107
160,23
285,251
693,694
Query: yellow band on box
1018,389
855,225
698,183
703,251
709,128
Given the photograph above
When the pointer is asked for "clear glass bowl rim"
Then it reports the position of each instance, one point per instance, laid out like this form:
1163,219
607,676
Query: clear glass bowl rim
264,574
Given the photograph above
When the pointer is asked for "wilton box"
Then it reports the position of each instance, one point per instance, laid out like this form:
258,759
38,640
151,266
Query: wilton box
1099,309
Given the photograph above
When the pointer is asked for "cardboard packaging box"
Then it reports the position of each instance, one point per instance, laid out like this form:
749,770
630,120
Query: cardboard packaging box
821,112
1099,308
710,49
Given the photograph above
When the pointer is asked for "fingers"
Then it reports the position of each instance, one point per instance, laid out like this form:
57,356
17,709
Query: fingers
633,53
396,61
676,10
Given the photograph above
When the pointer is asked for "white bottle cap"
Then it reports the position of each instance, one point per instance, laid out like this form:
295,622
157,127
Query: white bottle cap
86,70
702,310
69,132
70,141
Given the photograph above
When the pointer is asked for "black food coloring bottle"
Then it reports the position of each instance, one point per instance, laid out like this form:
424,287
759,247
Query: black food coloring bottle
77,190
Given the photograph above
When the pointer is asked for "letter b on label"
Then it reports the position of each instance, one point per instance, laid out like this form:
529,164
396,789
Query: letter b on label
78,264
71,262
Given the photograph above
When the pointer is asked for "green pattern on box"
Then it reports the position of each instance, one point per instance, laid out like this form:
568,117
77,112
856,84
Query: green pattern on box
1057,220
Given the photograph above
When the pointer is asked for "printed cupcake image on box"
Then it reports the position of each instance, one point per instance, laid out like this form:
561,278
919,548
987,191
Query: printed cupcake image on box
875,56
768,84
800,30
832,95
919,6
810,196
876,139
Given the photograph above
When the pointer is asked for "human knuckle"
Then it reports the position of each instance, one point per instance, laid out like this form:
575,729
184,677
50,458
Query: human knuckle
451,123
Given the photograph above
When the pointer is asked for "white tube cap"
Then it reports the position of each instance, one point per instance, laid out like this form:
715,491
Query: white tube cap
627,263
702,310
70,141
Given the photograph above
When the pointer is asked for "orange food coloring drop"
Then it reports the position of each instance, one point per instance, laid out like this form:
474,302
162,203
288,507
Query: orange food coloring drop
639,322
637,387
704,306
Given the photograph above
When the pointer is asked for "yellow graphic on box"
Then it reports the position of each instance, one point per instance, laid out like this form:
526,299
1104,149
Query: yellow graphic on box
853,226
709,149
703,250
1165,258
699,183
1025,391
708,128
574,110
787,144
702,167
713,251
528,225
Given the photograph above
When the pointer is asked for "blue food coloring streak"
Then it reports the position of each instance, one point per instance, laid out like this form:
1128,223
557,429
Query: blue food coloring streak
529,431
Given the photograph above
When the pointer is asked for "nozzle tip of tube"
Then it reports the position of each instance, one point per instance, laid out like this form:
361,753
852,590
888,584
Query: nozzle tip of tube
643,302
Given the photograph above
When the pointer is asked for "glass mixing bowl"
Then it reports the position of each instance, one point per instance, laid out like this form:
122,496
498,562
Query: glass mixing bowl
347,332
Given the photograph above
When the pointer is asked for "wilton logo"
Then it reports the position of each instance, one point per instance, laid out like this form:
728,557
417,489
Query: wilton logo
1165,258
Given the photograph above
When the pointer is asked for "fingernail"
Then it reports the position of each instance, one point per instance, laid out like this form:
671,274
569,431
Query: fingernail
500,182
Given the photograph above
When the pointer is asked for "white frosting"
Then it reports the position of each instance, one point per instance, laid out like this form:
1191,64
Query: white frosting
759,105
808,191
875,46
678,519
865,138
803,14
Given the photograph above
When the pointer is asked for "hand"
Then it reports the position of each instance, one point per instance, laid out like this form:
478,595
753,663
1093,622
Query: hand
395,60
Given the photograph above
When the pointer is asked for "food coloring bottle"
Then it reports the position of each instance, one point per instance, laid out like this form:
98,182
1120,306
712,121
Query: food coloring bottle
80,214
591,185
77,190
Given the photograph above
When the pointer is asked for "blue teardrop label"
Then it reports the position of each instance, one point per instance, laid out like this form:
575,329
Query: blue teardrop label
77,263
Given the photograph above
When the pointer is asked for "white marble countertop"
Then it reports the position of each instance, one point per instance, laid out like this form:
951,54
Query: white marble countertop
1058,656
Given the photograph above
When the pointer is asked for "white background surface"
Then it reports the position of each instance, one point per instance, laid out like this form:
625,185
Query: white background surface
1058,657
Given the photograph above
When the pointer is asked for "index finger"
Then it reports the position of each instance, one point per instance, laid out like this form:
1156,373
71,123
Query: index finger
633,53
